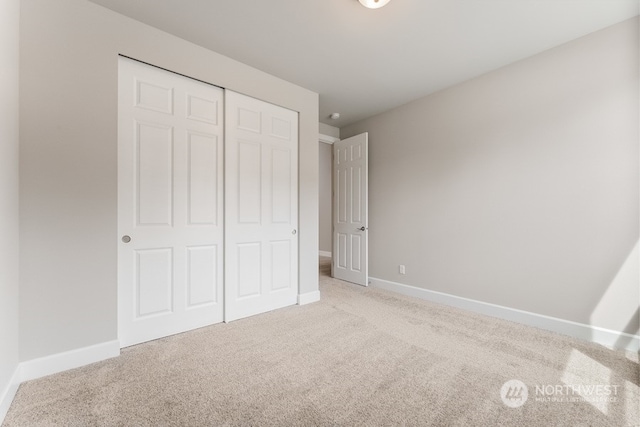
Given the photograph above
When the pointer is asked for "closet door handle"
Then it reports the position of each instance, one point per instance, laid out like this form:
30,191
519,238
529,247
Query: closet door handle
294,231
126,239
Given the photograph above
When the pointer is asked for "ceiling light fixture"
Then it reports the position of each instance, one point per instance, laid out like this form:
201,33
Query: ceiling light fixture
373,4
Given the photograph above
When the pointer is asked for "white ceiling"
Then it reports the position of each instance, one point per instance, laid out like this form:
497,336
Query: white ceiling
363,62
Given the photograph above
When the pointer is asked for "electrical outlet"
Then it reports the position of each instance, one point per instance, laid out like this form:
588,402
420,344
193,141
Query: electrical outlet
402,269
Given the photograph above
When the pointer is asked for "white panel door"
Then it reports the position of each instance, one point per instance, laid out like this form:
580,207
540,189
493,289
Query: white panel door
170,203
350,206
261,206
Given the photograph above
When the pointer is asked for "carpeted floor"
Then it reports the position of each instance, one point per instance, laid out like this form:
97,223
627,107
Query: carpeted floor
359,357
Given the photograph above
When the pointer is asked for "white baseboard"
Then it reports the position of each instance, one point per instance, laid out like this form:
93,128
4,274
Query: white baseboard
602,336
309,297
325,253
9,393
55,363
49,365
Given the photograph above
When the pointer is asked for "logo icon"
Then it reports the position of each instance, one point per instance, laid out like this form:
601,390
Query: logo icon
514,393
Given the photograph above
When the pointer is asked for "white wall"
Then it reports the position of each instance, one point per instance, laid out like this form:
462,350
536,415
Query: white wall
69,58
9,224
518,188
329,130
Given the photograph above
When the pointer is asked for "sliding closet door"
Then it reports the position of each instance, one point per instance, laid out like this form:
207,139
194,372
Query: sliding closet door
261,206
170,203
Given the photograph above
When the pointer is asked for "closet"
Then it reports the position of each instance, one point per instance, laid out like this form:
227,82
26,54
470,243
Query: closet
207,204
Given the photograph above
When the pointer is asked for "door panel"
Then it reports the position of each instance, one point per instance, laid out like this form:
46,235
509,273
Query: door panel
248,272
202,275
202,109
281,182
170,203
154,282
350,228
249,178
203,175
261,188
153,174
281,256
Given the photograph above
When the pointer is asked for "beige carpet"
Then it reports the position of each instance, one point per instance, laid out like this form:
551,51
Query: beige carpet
359,357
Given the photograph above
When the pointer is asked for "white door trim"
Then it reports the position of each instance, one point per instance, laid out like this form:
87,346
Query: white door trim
327,139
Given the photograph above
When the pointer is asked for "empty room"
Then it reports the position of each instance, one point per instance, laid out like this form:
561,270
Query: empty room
331,213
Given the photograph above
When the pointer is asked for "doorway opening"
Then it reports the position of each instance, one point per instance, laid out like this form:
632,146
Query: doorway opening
343,208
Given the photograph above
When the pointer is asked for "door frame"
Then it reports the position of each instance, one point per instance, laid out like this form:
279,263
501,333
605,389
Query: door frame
329,140
300,297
